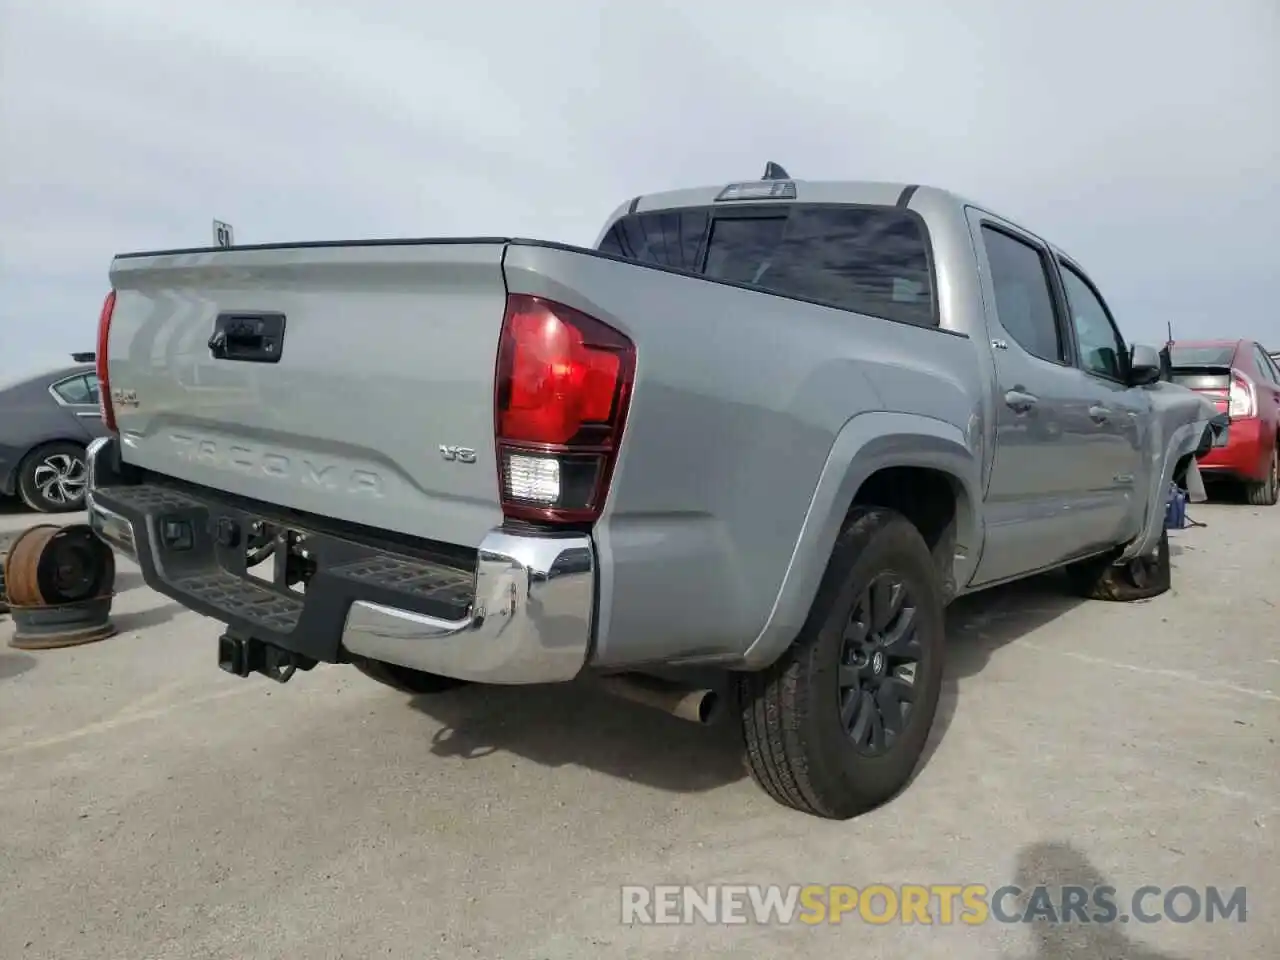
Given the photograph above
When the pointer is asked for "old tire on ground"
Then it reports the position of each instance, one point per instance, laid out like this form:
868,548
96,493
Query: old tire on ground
5,540
838,724
52,478
1266,493
405,679
1099,579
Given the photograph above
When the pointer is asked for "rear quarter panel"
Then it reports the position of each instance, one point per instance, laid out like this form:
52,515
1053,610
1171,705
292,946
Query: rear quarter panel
751,415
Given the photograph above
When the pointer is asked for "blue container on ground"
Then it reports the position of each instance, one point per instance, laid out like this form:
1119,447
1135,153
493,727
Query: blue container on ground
1175,511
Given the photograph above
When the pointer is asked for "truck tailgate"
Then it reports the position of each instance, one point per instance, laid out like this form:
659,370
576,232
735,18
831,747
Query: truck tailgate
370,400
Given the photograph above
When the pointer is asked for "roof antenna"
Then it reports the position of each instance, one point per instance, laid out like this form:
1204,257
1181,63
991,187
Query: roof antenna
774,171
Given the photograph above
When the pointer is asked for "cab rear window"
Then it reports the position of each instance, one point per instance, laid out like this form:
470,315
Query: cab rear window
870,260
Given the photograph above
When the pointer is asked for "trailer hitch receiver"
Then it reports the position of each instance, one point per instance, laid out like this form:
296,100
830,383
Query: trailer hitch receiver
242,656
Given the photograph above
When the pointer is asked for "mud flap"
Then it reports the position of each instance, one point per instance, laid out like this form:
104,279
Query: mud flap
1194,484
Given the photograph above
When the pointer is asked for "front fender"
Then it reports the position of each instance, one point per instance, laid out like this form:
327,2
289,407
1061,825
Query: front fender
865,444
1179,419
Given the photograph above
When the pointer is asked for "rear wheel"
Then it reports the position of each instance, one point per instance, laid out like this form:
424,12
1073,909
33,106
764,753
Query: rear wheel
1098,578
52,478
1266,493
837,725
405,679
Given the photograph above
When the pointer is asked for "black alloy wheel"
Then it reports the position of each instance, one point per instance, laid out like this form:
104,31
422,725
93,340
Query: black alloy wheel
879,661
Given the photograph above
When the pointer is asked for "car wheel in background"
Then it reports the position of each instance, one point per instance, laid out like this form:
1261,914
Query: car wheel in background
1266,493
53,478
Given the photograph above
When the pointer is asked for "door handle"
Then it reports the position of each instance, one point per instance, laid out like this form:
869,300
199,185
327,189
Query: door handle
1099,414
1020,400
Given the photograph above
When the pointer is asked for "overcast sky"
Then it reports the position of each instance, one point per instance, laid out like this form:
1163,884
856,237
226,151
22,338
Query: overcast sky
1143,138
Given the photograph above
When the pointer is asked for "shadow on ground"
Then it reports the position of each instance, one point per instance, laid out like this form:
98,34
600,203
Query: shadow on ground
1054,937
15,664
980,624
12,506
141,619
575,723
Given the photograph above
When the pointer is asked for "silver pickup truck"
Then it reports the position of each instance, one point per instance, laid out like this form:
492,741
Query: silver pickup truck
772,428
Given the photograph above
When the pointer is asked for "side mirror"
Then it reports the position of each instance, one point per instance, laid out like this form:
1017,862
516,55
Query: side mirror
1144,365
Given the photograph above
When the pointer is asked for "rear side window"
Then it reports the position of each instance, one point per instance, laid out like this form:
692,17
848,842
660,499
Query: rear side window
1264,365
77,390
668,238
1024,300
871,260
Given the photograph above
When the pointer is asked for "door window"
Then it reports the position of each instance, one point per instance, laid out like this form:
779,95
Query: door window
1024,299
1102,351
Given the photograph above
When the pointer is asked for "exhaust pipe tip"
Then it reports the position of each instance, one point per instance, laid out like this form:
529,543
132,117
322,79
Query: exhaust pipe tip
709,707
696,705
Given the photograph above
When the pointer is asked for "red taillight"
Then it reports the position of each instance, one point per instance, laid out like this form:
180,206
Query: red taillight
1242,403
563,386
104,380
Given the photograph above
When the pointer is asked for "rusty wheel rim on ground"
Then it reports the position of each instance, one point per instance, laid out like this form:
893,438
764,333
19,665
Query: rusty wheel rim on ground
6,539
63,625
51,565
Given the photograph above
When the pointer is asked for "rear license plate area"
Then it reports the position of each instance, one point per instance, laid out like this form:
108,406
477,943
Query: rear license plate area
271,554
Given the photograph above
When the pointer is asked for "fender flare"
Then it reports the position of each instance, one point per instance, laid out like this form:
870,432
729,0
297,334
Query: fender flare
867,443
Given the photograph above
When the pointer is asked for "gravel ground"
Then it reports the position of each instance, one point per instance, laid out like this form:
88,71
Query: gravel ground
154,807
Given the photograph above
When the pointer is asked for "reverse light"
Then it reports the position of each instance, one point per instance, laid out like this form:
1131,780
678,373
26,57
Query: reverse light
562,389
104,380
532,479
1242,401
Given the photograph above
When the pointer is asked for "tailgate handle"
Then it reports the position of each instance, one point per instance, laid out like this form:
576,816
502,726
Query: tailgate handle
248,337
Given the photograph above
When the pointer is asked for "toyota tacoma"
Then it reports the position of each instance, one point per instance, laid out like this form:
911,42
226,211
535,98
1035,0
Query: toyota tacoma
771,428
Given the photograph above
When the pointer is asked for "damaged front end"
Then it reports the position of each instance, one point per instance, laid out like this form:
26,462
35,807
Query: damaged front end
1184,427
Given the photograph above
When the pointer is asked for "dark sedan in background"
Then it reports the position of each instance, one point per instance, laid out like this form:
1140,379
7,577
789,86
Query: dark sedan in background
46,422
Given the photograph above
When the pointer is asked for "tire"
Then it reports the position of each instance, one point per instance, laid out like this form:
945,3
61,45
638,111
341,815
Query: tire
1266,493
798,745
52,478
1099,579
405,679
6,540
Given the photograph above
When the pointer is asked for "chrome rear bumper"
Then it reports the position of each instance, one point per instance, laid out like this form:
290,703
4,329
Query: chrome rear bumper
524,615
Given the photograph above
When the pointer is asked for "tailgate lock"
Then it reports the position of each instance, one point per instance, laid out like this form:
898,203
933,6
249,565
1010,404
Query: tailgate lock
248,337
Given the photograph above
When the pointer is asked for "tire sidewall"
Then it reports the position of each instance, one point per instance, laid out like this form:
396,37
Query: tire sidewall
898,548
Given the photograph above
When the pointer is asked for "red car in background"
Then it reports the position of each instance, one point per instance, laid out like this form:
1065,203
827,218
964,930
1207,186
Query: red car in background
1244,382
